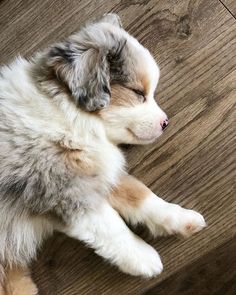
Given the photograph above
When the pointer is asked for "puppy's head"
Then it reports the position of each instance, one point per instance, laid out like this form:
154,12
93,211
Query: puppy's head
108,71
133,115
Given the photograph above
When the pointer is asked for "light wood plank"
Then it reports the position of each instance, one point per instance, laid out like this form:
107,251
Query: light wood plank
231,6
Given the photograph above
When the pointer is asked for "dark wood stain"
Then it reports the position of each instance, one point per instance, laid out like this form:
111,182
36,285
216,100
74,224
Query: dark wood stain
204,276
193,163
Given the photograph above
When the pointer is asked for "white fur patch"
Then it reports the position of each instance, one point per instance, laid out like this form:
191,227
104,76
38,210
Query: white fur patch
107,233
164,218
20,237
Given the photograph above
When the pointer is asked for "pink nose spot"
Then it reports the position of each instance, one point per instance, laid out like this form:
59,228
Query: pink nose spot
164,123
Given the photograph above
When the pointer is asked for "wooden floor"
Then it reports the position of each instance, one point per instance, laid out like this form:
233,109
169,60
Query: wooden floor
193,164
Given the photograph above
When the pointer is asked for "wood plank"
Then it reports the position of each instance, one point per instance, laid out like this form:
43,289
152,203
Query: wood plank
192,164
231,6
214,273
27,26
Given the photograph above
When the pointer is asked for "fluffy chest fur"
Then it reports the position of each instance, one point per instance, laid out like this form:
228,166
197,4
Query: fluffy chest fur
45,136
56,162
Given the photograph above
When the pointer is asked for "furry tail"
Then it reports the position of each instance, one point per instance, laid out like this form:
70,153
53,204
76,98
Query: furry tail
16,281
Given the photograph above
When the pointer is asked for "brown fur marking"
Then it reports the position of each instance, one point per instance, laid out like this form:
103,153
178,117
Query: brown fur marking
145,83
123,96
19,282
129,192
75,158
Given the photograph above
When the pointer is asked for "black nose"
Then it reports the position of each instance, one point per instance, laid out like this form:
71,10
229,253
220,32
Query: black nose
164,124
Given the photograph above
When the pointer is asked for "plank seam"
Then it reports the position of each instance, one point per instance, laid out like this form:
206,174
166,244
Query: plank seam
227,9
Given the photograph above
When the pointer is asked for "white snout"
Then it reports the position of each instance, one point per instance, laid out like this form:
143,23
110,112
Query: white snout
149,123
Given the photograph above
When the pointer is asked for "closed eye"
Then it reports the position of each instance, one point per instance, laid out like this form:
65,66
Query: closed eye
139,93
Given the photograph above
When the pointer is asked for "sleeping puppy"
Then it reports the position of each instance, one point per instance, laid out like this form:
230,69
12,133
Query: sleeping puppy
62,115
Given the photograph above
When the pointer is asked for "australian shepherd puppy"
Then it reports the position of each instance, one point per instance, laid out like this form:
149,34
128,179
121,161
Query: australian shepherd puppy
62,116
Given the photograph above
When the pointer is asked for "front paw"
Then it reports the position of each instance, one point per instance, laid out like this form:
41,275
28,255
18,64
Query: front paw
141,260
183,221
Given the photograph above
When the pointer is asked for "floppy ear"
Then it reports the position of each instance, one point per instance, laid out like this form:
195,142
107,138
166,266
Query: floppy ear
87,61
85,74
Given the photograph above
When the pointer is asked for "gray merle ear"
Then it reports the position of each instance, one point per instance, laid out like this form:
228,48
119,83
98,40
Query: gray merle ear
112,18
85,74
91,82
86,67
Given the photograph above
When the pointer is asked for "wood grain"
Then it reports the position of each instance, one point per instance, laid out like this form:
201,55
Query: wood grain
231,6
214,273
194,42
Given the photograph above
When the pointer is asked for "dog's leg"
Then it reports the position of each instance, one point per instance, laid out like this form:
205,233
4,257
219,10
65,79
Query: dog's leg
105,231
18,282
138,205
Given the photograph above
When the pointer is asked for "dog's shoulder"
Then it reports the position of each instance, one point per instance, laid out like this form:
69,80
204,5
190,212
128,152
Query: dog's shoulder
37,125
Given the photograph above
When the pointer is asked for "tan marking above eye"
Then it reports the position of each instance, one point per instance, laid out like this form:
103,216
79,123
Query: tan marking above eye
144,80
